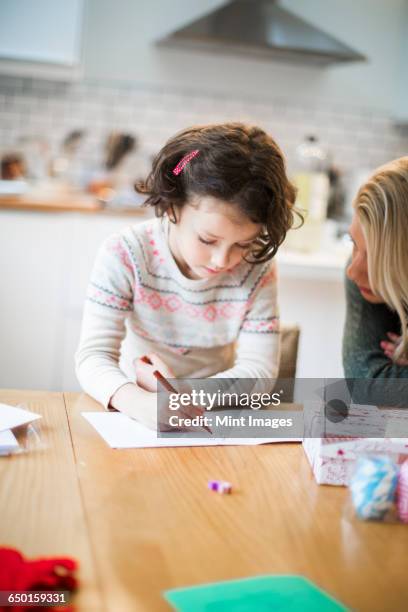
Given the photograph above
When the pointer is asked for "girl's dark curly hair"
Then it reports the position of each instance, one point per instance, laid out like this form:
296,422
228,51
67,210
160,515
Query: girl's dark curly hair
237,163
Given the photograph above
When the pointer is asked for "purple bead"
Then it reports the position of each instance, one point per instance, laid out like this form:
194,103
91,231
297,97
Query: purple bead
221,486
213,485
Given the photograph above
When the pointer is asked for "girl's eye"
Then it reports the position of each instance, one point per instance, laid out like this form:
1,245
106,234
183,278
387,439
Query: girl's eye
240,246
206,241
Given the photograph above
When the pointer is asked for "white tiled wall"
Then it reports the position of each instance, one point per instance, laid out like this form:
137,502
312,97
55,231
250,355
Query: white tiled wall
357,137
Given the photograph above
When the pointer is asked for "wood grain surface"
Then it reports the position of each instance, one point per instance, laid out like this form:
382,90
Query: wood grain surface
42,513
142,520
156,526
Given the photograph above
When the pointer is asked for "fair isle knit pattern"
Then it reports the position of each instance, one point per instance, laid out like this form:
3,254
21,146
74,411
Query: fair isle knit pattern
137,290
132,276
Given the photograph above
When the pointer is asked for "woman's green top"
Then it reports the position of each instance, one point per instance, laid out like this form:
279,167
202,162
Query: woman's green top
366,325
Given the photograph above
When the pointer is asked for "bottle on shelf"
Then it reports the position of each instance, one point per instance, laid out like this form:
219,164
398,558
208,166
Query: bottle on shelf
312,181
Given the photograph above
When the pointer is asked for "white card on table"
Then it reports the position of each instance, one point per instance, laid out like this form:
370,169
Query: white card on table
8,442
11,416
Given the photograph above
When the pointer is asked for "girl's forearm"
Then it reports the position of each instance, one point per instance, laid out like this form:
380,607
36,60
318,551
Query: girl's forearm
124,396
135,402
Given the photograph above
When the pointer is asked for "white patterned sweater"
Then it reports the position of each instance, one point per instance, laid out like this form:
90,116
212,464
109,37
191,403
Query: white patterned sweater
139,302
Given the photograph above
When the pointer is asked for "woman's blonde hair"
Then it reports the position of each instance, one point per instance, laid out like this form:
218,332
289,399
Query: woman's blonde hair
382,208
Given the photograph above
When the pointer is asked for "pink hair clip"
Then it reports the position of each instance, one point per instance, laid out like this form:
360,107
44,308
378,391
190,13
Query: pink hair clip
184,161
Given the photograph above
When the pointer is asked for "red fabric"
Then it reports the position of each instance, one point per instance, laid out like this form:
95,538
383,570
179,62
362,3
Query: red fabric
51,574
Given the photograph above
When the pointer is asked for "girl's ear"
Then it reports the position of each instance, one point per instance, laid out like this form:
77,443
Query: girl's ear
172,213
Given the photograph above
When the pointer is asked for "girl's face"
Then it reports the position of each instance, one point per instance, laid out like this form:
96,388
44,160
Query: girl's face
357,271
210,237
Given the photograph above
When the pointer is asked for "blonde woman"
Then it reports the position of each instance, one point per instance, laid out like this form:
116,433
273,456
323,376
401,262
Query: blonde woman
375,341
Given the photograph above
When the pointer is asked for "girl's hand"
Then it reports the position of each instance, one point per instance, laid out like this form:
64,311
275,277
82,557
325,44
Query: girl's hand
141,405
144,372
136,404
389,347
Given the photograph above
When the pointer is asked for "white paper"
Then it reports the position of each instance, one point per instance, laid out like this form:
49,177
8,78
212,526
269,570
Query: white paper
11,417
8,442
120,431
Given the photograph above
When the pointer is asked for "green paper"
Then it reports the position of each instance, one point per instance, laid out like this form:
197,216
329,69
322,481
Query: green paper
259,594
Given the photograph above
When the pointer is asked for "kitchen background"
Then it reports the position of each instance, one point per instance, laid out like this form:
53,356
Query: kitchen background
74,74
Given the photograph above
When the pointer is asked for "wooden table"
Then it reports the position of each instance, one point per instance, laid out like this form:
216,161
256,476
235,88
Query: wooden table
142,521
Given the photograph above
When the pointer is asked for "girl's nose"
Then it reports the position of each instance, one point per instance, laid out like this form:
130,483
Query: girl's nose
220,262
220,259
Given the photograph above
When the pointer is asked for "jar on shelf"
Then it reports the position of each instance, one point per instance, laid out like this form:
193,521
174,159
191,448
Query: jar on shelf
311,179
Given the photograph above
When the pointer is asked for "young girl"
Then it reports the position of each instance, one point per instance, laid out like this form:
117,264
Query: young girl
195,288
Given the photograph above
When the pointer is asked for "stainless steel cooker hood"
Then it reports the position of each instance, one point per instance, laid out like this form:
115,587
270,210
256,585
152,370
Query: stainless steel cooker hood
264,29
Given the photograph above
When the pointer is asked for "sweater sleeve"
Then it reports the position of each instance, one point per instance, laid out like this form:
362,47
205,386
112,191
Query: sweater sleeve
258,344
108,303
365,327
